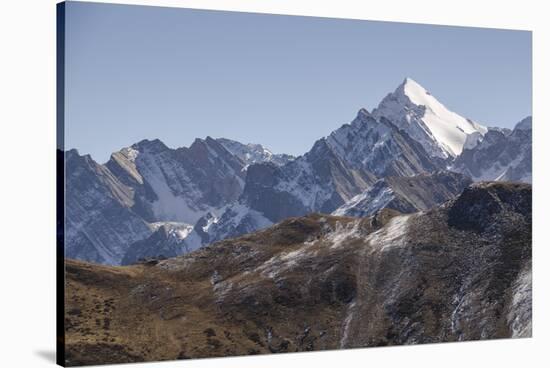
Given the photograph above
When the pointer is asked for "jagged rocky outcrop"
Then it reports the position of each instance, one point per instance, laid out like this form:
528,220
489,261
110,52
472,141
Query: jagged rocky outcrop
99,221
501,155
406,194
459,272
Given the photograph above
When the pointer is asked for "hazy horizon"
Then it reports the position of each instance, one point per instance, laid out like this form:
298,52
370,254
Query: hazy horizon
141,72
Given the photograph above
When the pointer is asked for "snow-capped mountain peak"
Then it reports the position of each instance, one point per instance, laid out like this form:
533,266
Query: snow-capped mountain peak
442,132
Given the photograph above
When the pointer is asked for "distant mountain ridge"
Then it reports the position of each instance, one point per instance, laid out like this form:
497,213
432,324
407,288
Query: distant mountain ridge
252,153
221,188
501,155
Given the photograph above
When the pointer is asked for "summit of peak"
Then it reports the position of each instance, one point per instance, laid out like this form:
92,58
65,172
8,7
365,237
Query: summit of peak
363,113
408,81
415,92
148,142
410,86
442,132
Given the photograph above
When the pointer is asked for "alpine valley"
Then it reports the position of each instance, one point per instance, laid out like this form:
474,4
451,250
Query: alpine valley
411,224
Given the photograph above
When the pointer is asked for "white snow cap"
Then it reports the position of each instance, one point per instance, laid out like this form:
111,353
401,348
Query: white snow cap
448,128
414,109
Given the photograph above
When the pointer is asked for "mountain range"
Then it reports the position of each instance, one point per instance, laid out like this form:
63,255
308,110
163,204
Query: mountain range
410,154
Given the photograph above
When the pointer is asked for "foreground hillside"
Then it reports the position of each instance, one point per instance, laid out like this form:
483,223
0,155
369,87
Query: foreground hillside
459,272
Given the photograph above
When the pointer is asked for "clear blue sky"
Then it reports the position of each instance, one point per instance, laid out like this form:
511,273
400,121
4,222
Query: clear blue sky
135,72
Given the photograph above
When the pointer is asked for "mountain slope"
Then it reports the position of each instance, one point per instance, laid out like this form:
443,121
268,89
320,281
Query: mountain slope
412,108
380,147
500,155
459,272
406,194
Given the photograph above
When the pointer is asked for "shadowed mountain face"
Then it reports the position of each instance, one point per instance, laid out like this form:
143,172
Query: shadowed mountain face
459,272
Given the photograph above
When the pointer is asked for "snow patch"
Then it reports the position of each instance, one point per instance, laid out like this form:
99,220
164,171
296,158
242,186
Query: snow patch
347,324
170,204
519,317
367,202
343,233
280,263
392,235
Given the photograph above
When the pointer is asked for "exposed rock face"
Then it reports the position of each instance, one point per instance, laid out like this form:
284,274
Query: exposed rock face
406,194
501,155
459,272
99,222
